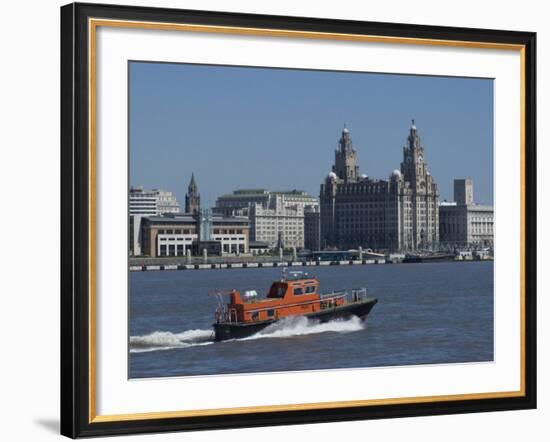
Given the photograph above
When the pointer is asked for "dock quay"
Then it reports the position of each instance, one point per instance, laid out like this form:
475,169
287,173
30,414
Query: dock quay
248,265
140,264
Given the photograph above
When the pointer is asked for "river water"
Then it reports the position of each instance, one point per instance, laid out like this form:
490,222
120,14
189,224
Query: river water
428,313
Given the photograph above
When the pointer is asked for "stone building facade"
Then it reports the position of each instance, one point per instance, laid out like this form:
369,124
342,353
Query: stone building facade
277,224
312,228
232,203
400,213
276,217
463,223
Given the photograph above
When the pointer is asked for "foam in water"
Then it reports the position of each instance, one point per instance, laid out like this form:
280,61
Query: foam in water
300,325
162,340
286,327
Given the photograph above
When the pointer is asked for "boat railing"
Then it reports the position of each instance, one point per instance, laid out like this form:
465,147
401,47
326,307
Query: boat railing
354,295
226,315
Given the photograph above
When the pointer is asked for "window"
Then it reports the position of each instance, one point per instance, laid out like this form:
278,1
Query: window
270,313
277,291
298,291
310,289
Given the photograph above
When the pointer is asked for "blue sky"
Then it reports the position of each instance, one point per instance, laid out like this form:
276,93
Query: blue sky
240,127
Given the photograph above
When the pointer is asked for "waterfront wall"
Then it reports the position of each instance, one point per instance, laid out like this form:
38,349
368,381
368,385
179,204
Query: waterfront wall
248,265
163,264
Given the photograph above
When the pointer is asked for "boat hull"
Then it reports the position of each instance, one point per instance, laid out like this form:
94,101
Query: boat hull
238,330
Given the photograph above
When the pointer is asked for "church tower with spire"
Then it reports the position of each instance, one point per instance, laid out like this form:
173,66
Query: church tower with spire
345,159
192,197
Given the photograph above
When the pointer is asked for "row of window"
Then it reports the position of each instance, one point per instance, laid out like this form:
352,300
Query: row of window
304,290
175,239
233,248
176,231
172,250
228,231
179,249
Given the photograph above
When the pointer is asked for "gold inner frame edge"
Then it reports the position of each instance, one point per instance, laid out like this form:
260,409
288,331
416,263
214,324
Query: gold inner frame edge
93,24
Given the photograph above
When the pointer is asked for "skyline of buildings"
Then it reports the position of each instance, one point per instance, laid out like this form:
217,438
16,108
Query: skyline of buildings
400,213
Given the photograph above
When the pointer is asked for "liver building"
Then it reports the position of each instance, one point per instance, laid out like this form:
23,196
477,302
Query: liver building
397,214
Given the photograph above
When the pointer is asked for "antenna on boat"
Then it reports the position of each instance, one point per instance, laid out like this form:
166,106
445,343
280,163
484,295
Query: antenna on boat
284,272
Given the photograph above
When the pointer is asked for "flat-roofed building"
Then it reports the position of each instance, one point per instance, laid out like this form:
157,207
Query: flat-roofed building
152,202
277,224
233,203
174,235
142,203
276,217
463,223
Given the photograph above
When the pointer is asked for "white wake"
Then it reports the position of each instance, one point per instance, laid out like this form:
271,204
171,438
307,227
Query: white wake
300,325
163,340
284,328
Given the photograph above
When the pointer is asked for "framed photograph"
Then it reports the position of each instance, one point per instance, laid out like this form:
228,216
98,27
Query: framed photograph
274,220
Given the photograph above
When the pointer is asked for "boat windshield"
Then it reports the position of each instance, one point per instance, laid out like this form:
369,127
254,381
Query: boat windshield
277,291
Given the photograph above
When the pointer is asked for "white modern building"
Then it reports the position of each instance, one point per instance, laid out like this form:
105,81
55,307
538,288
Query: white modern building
175,235
142,203
464,223
152,202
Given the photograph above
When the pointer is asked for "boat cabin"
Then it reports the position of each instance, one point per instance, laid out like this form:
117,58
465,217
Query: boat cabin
297,295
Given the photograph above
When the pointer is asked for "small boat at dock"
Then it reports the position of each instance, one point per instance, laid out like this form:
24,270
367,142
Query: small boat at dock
297,295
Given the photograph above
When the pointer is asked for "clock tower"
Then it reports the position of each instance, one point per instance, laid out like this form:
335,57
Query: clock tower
423,212
345,159
413,166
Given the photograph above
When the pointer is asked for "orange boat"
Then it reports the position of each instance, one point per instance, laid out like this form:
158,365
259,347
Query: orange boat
297,295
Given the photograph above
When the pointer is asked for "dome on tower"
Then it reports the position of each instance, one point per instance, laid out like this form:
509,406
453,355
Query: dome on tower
332,176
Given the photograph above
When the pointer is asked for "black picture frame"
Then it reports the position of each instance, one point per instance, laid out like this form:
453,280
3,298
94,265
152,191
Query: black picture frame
75,221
